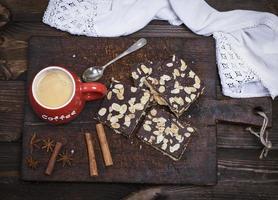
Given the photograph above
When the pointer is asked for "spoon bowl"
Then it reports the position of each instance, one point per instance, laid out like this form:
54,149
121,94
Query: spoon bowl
92,74
95,73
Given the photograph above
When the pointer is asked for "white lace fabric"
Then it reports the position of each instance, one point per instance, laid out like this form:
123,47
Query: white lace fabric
237,77
246,41
76,16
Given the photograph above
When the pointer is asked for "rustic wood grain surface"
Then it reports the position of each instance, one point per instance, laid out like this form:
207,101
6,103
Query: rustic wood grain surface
241,175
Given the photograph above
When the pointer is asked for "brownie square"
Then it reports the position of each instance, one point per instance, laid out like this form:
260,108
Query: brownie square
163,131
123,107
176,84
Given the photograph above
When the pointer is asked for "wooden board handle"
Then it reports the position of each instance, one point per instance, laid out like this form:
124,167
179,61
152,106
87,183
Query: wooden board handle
243,111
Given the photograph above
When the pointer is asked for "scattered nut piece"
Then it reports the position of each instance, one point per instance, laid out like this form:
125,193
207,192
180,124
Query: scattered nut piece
169,64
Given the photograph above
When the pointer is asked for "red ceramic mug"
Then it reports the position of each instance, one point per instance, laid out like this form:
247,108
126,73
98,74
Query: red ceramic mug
58,95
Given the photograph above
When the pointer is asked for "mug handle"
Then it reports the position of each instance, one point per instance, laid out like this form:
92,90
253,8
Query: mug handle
93,91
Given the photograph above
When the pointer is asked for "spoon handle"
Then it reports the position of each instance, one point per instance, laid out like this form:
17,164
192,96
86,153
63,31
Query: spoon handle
137,45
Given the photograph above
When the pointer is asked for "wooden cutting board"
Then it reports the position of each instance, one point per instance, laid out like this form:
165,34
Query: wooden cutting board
134,161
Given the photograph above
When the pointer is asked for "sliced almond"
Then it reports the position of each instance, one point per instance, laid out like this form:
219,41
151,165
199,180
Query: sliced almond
197,80
144,99
114,119
179,138
109,95
123,109
132,109
109,116
162,81
110,109
153,112
174,148
120,96
174,128
119,86
155,119
187,134
139,106
183,65
116,107
127,123
131,116
190,129
161,129
187,90
161,89
116,91
187,99
191,74
165,77
176,72
175,91
115,125
102,111
196,85
171,100
163,120
168,130
131,101
193,96
159,138
179,100
147,127
164,146
127,118
177,84
133,89
145,69
156,133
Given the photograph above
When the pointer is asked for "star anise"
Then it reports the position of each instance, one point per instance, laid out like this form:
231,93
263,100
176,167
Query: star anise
48,145
34,142
32,163
65,158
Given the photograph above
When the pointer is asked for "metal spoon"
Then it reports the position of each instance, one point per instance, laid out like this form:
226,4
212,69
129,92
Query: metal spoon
95,73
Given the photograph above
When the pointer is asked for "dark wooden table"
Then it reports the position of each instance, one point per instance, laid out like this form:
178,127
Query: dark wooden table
241,175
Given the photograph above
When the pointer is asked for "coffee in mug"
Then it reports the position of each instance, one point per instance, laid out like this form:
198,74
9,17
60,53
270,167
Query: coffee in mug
54,88
57,95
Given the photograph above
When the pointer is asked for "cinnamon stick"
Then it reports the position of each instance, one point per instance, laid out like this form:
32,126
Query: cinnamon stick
52,160
91,155
104,145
